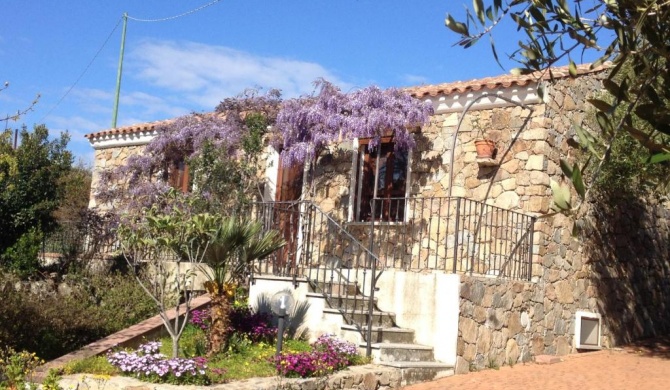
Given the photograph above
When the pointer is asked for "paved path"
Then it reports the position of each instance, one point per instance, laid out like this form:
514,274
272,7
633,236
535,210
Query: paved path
636,367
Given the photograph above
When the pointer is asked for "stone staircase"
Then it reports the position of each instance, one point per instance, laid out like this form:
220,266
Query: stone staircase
347,309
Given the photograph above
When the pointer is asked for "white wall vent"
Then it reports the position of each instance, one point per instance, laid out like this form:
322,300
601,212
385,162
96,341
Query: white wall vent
588,330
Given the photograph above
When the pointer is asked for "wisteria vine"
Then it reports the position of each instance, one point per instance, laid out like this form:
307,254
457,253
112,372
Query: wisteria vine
301,128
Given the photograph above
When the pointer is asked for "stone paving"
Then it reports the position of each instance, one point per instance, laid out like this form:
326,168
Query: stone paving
644,366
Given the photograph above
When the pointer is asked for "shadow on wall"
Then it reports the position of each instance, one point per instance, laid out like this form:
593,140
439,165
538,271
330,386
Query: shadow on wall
629,251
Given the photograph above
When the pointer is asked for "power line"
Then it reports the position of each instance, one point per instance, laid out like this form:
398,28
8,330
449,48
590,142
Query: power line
107,40
176,16
84,72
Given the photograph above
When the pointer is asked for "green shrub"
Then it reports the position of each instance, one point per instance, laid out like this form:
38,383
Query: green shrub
50,382
117,299
16,368
22,258
52,325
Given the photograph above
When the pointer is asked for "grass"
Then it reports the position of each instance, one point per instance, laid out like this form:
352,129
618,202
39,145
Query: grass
253,360
96,365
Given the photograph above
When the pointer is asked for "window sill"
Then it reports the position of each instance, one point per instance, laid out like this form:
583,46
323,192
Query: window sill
377,223
487,162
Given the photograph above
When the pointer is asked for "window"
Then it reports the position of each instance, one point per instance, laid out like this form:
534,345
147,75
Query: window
380,174
178,176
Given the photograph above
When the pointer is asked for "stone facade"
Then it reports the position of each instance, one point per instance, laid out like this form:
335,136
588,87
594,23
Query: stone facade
620,269
625,276
108,158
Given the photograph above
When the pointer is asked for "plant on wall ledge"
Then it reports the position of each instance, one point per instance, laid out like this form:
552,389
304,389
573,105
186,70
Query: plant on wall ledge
485,147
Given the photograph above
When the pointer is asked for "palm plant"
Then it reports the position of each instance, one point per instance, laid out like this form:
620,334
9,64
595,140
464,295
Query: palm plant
235,245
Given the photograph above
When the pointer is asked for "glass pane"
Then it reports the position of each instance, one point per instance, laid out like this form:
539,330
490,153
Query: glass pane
381,177
399,175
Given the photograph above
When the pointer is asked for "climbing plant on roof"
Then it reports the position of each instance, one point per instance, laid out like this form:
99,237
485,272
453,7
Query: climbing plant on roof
211,144
307,124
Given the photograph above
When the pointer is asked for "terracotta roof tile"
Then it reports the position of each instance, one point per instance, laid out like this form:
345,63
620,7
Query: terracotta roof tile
503,81
132,129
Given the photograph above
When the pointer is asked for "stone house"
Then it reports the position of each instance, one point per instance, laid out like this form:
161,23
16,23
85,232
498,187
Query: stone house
439,259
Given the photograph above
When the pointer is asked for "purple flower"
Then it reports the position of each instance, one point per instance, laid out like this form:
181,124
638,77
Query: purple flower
328,354
148,364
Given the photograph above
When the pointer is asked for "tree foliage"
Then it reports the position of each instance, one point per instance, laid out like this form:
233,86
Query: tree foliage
633,34
170,239
30,178
76,187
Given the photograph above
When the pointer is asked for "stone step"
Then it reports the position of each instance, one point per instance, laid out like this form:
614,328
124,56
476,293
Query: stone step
348,302
401,352
416,372
384,335
360,317
334,287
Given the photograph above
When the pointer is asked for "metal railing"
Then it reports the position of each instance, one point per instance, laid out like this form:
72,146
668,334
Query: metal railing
77,240
321,250
453,235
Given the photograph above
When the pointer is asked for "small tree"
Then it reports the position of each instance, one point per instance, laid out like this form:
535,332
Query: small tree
170,239
236,244
30,178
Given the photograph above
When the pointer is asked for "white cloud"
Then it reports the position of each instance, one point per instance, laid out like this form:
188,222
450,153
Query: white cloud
206,74
76,125
413,79
132,103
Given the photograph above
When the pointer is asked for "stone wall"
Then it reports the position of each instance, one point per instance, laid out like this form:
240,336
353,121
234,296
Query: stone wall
106,159
624,276
504,322
627,263
619,269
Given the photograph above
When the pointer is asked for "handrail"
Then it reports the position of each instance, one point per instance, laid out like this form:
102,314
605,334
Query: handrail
329,257
418,233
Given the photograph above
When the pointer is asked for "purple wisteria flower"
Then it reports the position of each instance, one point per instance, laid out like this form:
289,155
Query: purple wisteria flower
308,124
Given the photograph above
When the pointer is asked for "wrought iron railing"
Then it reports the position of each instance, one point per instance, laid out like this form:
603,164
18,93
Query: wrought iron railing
77,240
321,250
452,234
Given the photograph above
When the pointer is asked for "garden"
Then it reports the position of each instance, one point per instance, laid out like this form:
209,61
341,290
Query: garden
250,352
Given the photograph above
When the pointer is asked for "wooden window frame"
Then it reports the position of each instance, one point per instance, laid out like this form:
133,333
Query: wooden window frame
178,176
360,162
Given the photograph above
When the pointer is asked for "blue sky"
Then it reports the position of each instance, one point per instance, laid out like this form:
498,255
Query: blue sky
193,62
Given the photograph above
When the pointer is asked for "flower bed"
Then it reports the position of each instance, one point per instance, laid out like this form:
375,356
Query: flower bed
148,364
328,355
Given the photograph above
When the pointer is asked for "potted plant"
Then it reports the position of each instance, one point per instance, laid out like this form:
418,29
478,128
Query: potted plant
485,147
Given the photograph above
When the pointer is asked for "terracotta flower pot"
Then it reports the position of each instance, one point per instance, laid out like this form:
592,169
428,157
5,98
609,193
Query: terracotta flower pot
485,148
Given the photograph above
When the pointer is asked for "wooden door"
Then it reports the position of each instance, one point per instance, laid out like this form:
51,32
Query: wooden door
287,215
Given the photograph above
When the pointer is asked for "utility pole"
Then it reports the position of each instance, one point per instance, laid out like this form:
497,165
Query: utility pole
120,71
